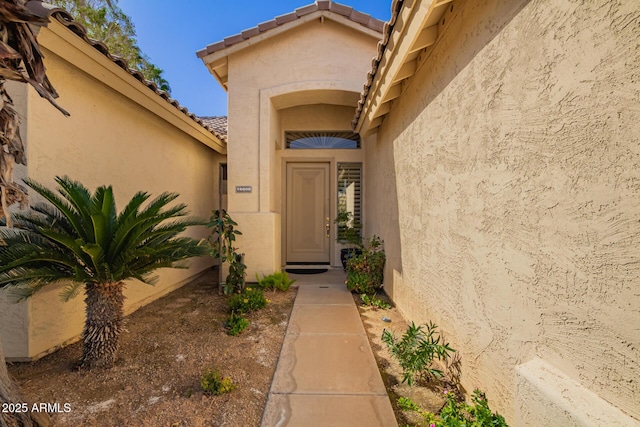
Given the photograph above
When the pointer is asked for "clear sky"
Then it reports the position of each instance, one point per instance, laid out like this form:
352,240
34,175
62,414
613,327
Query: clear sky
170,32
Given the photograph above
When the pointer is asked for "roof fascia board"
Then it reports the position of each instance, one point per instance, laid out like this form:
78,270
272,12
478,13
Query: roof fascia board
213,57
59,40
392,60
417,30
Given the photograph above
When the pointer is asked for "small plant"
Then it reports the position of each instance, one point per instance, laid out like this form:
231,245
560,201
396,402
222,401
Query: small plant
461,414
278,281
235,279
251,299
212,382
365,272
374,301
458,413
236,324
221,241
407,404
416,351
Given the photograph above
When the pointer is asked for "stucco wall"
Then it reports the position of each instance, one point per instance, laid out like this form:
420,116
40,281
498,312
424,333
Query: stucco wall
316,63
108,140
515,152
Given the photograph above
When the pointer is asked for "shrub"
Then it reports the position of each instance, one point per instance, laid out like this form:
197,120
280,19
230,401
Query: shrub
277,281
416,350
221,246
236,324
251,299
407,404
235,278
461,414
374,301
212,382
365,272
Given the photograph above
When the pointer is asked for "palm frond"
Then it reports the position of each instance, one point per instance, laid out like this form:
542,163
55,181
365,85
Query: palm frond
79,238
43,215
63,206
79,197
104,205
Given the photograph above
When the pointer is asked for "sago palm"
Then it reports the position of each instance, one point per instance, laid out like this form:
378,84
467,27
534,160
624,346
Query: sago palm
79,239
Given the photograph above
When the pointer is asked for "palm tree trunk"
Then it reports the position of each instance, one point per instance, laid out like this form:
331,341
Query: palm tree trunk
10,394
105,314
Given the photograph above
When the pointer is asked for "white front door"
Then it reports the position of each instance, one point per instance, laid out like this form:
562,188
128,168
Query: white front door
308,234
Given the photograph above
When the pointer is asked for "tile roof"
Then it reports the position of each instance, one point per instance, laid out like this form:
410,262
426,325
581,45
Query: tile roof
217,123
396,7
320,5
50,11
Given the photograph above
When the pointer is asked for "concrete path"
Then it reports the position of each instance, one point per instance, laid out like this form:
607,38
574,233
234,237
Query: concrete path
326,374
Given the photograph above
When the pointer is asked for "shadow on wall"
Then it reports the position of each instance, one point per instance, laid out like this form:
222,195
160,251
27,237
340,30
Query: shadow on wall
497,15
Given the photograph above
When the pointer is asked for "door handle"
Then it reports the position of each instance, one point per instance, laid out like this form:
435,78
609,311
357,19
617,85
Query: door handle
327,227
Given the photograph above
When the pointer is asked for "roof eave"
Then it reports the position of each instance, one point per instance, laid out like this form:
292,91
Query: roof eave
411,33
215,56
64,43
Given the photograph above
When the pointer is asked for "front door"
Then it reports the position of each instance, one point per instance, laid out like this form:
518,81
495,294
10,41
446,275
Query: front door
308,237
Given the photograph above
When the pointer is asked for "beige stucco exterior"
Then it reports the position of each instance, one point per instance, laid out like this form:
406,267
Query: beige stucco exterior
501,170
504,181
306,76
120,133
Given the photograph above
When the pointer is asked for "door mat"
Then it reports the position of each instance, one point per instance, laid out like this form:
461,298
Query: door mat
306,270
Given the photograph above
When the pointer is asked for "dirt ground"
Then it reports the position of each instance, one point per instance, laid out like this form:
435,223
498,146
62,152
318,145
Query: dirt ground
163,355
171,342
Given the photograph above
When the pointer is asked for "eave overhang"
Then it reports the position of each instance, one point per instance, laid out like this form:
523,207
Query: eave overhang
61,41
414,28
216,56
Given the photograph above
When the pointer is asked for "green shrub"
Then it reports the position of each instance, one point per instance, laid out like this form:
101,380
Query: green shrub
236,324
235,278
416,350
279,281
251,299
365,272
221,246
407,404
374,301
212,382
461,414
458,414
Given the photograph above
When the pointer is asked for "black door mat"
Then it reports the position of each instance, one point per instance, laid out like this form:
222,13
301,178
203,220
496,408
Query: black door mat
306,270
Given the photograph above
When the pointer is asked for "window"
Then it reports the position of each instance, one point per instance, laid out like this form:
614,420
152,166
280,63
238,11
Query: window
349,196
322,139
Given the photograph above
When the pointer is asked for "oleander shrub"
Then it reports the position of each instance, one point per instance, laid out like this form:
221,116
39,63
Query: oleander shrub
416,351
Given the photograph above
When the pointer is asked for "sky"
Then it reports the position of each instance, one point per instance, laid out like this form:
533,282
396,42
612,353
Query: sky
170,32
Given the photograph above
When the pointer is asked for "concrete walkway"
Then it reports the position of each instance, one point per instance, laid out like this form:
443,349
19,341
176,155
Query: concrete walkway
326,374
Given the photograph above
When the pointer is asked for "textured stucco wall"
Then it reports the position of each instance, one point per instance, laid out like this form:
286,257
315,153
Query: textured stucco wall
515,149
107,140
381,207
316,63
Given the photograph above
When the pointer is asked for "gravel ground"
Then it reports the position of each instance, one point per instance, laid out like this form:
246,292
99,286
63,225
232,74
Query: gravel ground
163,354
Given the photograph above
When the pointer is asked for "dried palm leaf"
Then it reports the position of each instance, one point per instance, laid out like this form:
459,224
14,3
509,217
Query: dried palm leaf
20,60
